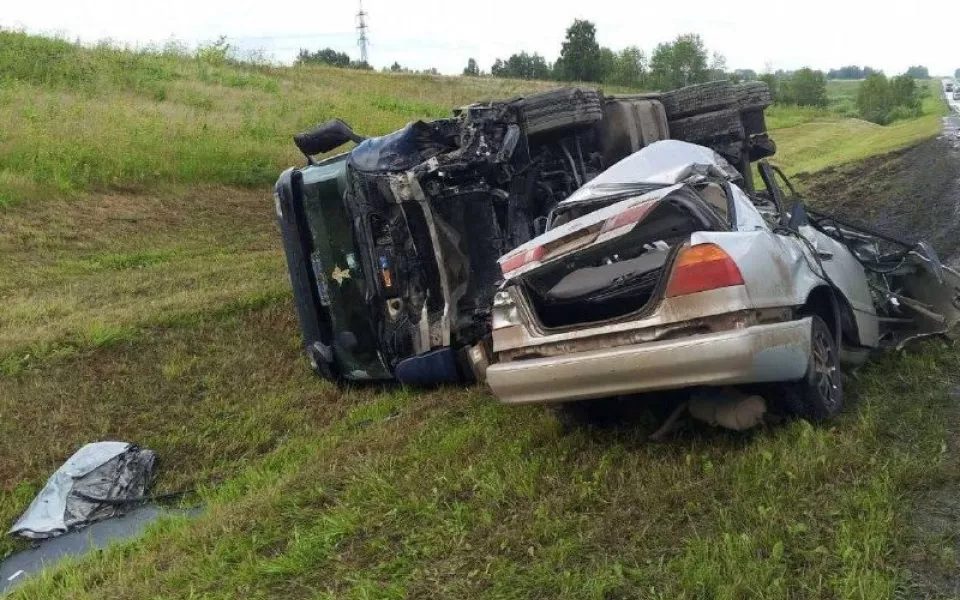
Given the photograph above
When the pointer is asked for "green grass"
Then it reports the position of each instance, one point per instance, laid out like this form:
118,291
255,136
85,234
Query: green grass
145,298
74,119
310,493
810,139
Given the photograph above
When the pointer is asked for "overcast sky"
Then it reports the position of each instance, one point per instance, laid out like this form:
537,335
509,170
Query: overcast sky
420,34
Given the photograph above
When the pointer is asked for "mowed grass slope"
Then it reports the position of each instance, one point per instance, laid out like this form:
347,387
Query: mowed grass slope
144,298
74,118
811,139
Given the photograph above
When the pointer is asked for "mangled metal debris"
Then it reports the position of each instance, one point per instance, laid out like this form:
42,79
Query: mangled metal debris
392,247
560,247
673,277
99,481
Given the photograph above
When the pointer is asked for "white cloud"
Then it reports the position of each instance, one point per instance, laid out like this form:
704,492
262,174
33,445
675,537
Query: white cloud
819,33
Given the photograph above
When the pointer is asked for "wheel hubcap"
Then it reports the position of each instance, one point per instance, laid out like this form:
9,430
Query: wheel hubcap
825,369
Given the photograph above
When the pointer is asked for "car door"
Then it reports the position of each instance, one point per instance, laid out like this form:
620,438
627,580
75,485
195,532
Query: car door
829,259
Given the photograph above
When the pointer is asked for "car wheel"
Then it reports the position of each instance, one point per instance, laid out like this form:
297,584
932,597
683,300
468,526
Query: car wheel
697,99
819,395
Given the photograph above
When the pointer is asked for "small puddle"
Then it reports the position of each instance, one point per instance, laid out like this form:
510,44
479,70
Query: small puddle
18,567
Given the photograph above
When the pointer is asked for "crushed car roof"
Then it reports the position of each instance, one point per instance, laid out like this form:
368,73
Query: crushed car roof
662,163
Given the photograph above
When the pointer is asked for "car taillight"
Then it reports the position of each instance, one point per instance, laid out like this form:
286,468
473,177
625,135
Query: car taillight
628,217
518,260
700,268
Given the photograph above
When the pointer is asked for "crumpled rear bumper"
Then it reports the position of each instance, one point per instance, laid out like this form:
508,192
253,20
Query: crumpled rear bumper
756,354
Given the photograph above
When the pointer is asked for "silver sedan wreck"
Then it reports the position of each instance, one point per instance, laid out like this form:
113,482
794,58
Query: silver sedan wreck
662,273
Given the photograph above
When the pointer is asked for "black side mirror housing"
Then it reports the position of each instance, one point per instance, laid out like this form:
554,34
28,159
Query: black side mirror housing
326,137
798,216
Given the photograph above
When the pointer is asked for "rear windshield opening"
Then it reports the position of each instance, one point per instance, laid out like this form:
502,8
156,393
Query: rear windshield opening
613,279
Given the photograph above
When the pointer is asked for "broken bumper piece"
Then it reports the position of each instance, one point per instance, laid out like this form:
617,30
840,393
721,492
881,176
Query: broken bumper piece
757,354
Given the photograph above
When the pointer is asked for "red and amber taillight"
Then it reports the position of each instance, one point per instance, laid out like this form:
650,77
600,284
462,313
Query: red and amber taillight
700,268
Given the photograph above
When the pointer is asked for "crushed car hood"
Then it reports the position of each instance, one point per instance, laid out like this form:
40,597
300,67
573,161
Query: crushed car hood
662,163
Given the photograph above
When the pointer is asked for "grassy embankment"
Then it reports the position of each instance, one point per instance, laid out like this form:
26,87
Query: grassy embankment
144,298
809,139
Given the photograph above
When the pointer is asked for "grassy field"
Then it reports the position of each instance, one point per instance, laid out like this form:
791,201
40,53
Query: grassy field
811,139
144,298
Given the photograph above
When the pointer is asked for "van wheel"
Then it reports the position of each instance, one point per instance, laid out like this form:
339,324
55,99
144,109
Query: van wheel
819,395
699,98
722,124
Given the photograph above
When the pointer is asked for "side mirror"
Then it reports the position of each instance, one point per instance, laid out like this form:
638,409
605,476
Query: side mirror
326,137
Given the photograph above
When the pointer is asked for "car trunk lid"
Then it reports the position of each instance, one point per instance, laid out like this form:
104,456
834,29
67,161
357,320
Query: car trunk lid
611,263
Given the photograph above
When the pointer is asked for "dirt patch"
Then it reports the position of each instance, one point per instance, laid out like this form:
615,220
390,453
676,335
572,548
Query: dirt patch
912,193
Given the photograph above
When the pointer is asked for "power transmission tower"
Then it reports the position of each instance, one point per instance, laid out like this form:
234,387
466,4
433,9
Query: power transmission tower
362,40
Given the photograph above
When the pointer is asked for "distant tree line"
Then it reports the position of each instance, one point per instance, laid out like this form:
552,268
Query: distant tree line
918,72
329,56
851,72
879,99
803,87
674,64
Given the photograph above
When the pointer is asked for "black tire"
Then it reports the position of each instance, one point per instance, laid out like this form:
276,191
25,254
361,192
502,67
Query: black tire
699,99
719,125
819,395
560,108
752,95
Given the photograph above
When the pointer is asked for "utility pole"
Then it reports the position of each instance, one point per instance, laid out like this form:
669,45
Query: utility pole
362,40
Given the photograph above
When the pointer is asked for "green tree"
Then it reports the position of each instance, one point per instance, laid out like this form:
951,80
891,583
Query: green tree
522,66
629,68
608,62
580,54
327,56
471,69
396,68
718,67
874,99
956,74
805,87
679,63
771,80
905,92
918,72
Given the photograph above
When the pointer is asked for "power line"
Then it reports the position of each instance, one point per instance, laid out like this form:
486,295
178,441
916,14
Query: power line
362,29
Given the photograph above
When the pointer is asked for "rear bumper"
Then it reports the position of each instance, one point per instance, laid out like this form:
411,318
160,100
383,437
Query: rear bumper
761,353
